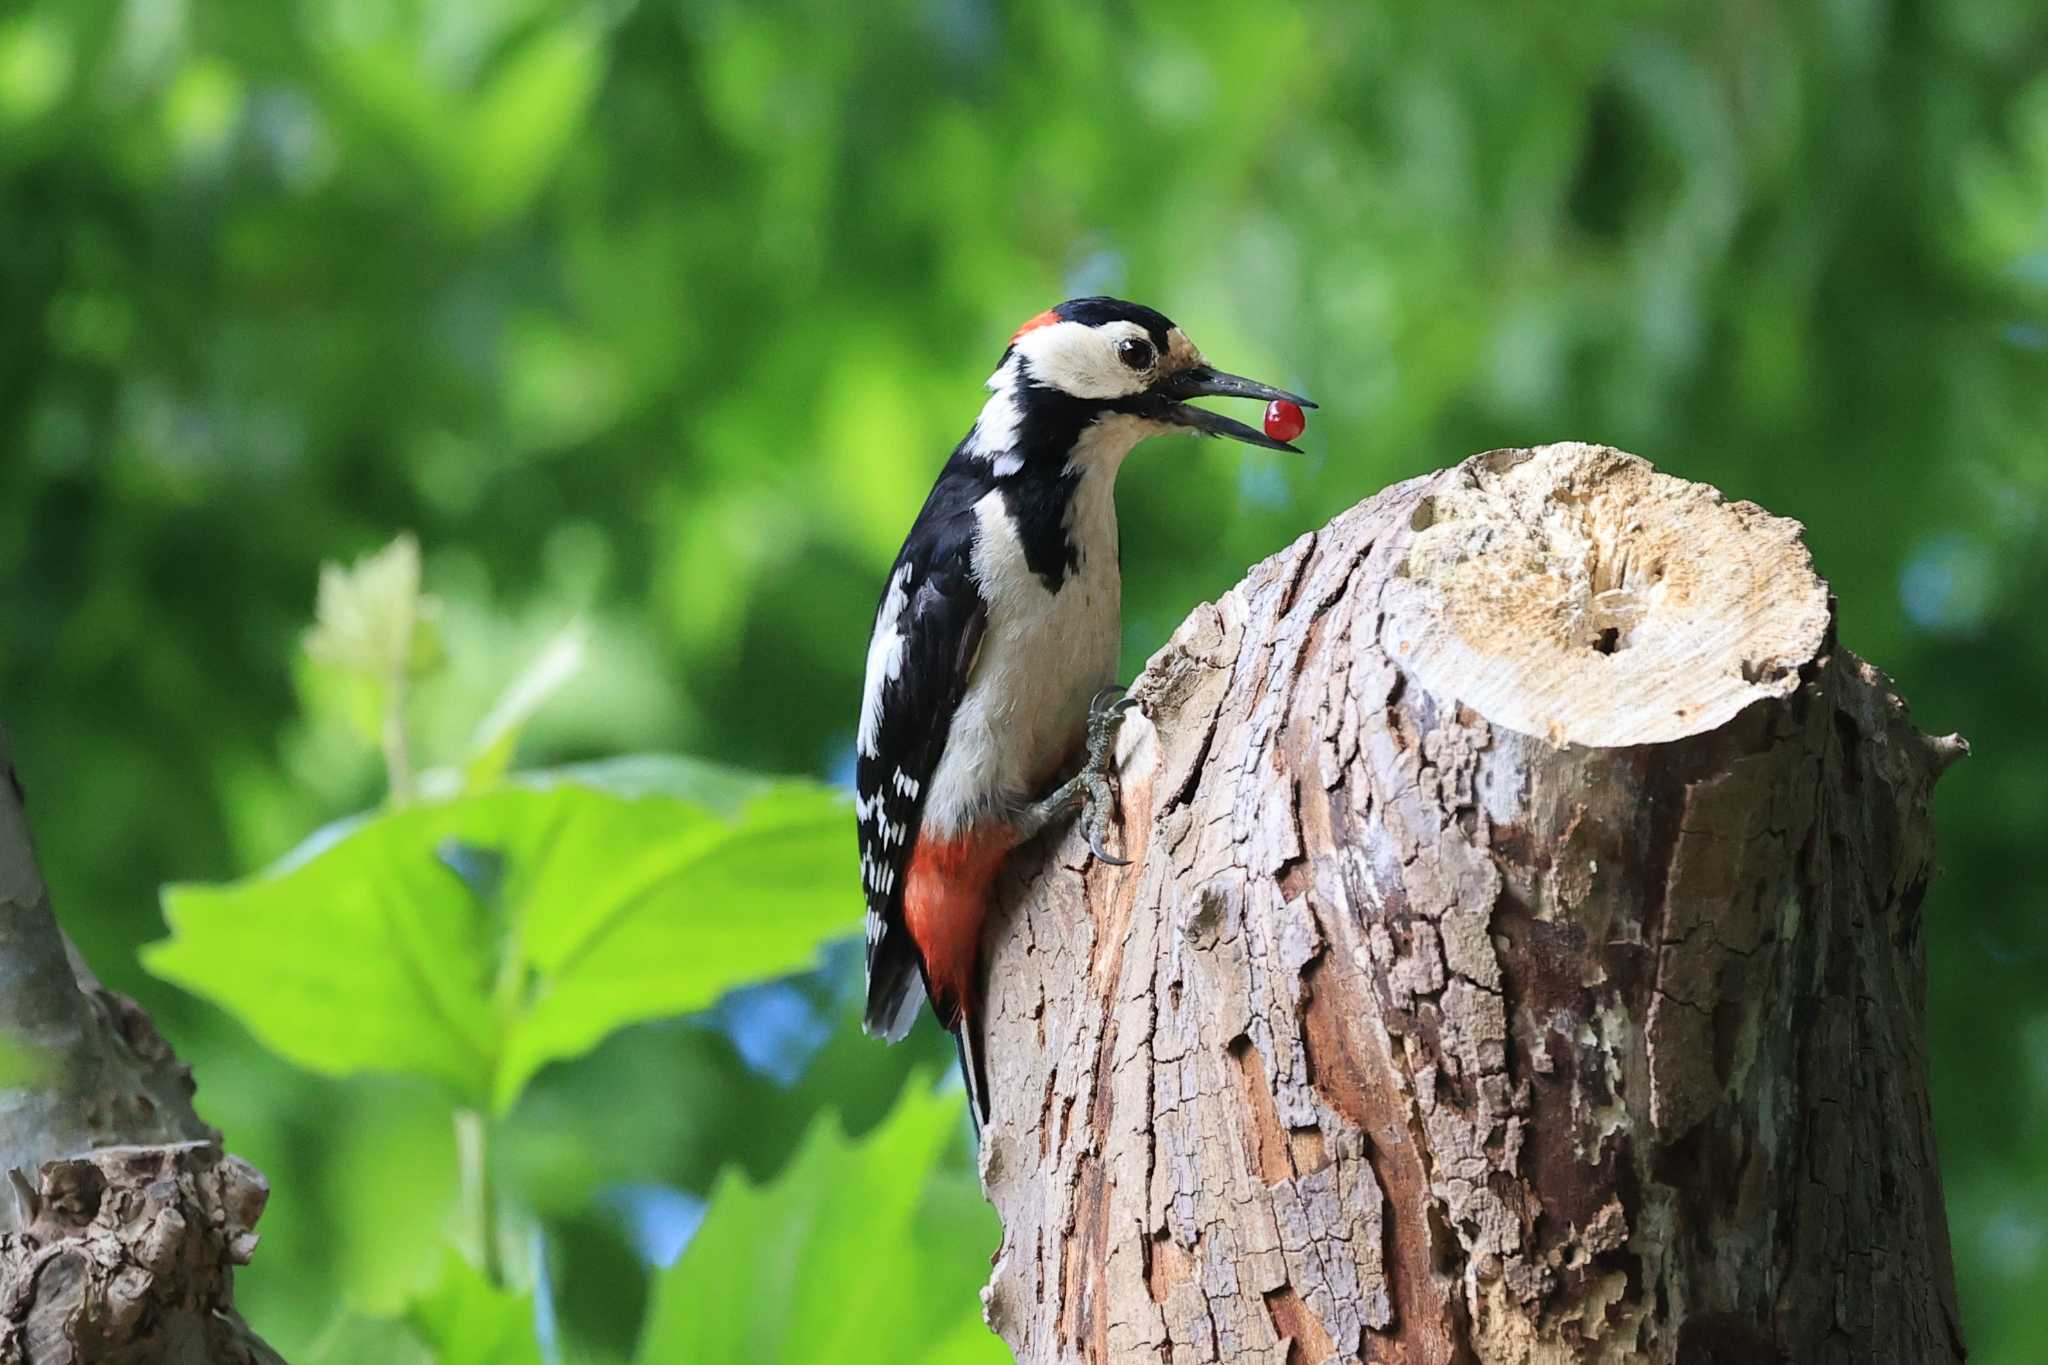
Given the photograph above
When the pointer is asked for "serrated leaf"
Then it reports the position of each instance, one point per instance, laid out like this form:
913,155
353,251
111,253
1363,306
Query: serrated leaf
765,1279
674,917
364,955
367,951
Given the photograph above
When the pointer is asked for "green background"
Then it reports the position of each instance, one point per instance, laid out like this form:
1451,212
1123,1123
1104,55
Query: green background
662,315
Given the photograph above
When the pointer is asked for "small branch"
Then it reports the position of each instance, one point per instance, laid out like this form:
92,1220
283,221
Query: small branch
101,1073
394,737
124,1219
479,1190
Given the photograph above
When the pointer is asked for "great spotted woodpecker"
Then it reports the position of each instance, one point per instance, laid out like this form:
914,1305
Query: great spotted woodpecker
997,626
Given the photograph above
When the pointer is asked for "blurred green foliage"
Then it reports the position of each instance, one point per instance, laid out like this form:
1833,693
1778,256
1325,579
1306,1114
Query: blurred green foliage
872,1251
477,927
652,321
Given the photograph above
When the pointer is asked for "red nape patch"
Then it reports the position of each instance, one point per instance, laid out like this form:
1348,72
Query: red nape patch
945,897
1045,319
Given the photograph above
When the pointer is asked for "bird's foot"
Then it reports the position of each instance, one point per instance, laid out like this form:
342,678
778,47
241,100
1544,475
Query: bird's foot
1094,788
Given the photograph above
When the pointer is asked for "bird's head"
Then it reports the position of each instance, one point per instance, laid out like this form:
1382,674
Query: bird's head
1119,369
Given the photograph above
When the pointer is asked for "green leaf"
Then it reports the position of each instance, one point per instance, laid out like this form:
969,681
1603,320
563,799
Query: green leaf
366,951
469,1321
766,1278
648,916
463,1320
358,953
525,119
354,1336
497,736
373,630
35,66
373,619
713,785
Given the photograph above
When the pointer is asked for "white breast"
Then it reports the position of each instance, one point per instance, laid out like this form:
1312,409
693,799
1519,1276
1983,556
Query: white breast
1045,655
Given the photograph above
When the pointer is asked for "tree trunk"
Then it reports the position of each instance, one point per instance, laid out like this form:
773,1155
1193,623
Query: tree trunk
124,1219
1520,961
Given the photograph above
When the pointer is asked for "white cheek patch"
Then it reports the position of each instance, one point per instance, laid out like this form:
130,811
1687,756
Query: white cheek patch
994,437
1081,360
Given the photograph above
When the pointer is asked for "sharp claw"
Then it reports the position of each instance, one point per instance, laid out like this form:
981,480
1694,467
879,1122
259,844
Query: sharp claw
1095,847
1100,802
1106,711
1104,720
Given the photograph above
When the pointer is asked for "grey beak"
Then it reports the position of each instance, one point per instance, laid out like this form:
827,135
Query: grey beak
1204,382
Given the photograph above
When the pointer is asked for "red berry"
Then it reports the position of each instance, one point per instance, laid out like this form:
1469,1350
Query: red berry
1284,421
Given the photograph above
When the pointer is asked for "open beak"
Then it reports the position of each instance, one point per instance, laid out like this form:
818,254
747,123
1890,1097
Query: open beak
1203,382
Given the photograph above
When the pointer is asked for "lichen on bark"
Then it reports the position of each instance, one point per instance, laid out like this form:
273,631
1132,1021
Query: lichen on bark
1520,961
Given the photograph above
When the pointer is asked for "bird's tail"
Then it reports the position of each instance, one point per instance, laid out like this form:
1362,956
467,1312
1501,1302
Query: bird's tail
973,1068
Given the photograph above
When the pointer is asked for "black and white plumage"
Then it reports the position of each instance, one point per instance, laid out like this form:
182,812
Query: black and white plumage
928,632
999,620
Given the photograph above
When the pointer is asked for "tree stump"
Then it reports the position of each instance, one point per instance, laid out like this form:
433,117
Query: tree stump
1520,961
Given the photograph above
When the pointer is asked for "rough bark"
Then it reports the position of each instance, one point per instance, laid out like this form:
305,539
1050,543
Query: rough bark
124,1218
1520,961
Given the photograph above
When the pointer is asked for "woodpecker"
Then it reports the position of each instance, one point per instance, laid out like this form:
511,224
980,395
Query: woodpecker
990,671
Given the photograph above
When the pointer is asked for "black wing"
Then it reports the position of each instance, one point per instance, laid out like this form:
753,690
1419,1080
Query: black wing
928,629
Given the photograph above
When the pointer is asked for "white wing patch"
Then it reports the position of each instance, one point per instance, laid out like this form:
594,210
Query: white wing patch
885,659
1081,360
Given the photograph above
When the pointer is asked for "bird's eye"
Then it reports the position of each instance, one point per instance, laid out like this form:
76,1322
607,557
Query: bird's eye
1135,353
